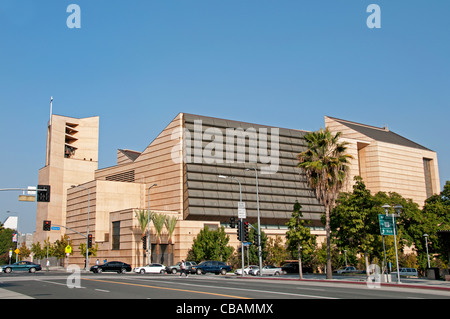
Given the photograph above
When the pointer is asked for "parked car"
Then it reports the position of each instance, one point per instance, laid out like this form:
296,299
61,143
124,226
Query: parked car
217,267
151,269
22,266
246,270
292,268
176,268
347,270
116,266
269,270
408,272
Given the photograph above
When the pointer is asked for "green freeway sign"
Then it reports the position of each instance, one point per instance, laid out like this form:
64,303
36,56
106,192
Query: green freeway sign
387,226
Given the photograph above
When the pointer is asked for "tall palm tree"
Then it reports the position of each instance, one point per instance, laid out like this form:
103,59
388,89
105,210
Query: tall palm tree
144,217
326,166
170,226
158,222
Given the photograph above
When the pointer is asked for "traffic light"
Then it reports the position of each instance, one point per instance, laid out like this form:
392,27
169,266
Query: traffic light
47,225
239,230
245,231
256,240
43,193
144,242
89,241
232,222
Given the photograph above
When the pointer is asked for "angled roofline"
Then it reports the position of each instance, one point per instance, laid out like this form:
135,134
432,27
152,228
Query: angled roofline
389,136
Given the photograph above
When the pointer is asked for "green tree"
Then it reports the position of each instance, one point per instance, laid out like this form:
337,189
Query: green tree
210,245
408,223
144,217
299,238
434,217
325,163
37,250
354,221
253,249
60,246
158,221
276,251
92,251
171,222
5,244
24,251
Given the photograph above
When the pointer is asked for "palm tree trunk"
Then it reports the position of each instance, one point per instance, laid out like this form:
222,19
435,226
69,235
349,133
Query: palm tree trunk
158,259
300,270
328,235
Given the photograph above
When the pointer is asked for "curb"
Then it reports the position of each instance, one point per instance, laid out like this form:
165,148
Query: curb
401,285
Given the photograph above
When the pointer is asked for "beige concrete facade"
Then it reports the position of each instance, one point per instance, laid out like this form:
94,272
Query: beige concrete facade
190,189
71,159
388,162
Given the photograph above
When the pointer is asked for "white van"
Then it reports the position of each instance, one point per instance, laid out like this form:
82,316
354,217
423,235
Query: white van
408,272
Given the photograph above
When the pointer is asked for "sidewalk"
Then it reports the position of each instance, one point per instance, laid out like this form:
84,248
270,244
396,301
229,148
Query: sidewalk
423,283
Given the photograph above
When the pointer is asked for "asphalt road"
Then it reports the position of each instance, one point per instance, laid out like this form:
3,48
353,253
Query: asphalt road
57,285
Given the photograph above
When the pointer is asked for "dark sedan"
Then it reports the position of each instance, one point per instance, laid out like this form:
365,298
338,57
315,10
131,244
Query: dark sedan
291,268
216,267
22,266
114,266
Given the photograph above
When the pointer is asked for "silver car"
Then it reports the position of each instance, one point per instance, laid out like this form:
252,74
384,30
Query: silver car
269,270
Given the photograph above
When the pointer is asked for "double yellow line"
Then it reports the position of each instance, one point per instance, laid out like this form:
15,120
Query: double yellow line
165,288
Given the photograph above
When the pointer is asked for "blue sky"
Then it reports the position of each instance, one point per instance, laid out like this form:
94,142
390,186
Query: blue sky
285,63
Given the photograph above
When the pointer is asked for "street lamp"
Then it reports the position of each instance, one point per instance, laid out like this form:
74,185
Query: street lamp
87,229
259,222
148,224
426,245
397,209
240,187
241,224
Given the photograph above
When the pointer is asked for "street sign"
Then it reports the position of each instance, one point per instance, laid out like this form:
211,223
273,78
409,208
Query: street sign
27,198
31,191
55,228
17,251
68,249
387,226
241,210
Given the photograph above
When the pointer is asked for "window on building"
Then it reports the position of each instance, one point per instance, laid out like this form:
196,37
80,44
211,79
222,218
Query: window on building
116,235
427,163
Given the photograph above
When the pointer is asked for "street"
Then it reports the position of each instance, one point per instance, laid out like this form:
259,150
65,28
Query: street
56,285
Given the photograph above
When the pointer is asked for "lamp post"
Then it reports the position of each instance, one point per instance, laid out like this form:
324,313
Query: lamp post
148,224
242,222
87,229
259,222
397,209
426,245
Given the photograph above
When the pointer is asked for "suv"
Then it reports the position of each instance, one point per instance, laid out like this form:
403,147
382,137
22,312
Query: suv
217,267
176,268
